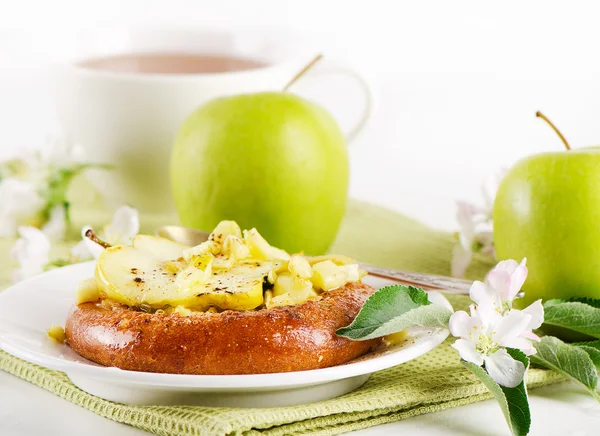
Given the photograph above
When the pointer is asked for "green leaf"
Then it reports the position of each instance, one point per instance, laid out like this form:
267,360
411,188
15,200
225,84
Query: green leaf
513,401
58,184
593,353
580,315
570,360
14,168
594,302
594,344
593,350
392,309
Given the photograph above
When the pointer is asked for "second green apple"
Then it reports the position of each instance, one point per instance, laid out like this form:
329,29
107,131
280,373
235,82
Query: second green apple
271,160
548,209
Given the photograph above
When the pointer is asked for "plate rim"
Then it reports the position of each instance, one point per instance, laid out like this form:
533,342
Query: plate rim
241,381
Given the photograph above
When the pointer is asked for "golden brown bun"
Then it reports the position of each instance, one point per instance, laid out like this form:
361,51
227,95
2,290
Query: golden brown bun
282,339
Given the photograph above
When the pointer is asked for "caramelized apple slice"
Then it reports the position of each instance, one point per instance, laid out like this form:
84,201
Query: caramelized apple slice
129,276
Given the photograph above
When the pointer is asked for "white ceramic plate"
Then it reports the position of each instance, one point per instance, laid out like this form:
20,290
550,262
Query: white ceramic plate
30,307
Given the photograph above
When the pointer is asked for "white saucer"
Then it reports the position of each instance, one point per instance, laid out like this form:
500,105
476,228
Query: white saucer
28,308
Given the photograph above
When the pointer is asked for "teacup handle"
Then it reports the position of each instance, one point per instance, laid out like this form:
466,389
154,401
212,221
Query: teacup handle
330,68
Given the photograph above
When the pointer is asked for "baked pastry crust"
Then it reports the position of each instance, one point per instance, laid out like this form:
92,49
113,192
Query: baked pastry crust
281,339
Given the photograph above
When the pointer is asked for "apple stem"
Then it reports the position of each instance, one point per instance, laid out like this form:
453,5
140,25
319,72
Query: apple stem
92,236
303,71
543,117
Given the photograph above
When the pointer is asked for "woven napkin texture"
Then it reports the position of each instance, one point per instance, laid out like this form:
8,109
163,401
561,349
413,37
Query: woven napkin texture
433,382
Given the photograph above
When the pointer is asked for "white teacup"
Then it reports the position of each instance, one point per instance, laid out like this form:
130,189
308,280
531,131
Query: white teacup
128,119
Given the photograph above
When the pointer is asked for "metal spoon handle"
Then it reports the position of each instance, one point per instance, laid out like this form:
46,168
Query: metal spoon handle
427,281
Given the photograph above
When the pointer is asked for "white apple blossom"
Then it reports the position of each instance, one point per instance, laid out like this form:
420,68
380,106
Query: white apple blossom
20,202
471,237
33,188
502,285
475,230
493,325
125,224
60,152
56,226
536,311
85,249
31,252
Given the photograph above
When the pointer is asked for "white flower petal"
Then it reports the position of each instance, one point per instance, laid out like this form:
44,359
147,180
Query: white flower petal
485,237
461,258
481,293
536,311
486,240
489,304
500,281
124,226
528,350
509,266
530,335
57,224
94,250
59,151
31,251
33,243
465,213
461,324
20,202
466,217
487,317
517,279
467,351
80,252
520,343
489,250
503,369
511,327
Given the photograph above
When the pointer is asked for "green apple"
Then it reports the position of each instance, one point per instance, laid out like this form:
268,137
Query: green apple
269,160
547,209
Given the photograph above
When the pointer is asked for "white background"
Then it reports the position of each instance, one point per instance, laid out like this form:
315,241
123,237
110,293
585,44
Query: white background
457,82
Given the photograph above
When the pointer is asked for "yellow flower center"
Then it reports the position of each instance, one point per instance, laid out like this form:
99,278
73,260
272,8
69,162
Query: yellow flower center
486,345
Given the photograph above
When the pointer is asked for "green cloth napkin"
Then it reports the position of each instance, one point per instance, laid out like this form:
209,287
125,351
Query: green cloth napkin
433,382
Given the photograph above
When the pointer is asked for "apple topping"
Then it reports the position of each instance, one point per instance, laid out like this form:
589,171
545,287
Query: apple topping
160,248
327,275
260,248
207,247
290,289
338,259
223,230
216,240
57,334
134,278
87,291
232,270
299,267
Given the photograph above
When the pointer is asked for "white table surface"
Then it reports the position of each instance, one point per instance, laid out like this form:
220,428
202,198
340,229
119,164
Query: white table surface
564,409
